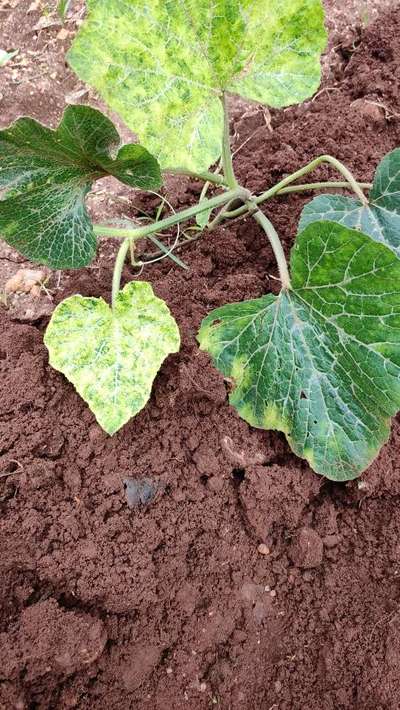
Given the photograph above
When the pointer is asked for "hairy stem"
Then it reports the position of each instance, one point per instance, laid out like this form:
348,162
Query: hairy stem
207,184
308,169
139,232
204,191
306,187
275,242
346,174
225,213
205,176
272,191
235,192
328,185
229,174
131,235
118,266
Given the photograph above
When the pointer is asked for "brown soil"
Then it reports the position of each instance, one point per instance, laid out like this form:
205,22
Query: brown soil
247,582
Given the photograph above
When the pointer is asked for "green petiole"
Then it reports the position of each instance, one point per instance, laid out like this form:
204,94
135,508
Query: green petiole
227,164
275,242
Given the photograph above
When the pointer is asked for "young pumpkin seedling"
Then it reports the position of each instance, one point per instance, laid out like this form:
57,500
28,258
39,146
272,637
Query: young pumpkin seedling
320,361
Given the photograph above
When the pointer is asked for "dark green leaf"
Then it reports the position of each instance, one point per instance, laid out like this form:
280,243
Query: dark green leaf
380,219
45,176
320,362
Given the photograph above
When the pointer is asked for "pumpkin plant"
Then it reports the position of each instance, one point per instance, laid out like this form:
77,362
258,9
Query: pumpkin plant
321,360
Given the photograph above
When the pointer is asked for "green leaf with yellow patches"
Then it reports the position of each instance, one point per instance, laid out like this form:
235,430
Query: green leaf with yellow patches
165,64
112,356
321,361
380,218
45,176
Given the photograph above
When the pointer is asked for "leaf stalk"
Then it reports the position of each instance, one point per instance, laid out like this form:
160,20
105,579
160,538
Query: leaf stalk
118,266
275,242
227,164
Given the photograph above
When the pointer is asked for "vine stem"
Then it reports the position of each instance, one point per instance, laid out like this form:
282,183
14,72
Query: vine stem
272,191
347,174
139,232
131,235
308,169
225,213
206,176
330,185
275,242
286,190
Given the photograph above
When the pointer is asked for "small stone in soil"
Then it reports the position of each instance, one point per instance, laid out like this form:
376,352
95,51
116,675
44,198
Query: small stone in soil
263,549
140,491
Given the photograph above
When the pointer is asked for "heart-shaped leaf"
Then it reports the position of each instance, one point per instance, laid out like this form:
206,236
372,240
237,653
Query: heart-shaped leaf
45,176
112,356
321,361
166,64
380,219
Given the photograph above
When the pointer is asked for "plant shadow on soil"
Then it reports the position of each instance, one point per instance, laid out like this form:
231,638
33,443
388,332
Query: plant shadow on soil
171,604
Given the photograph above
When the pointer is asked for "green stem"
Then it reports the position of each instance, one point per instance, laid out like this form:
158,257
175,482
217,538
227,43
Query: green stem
131,235
221,215
346,174
275,242
205,176
154,227
226,149
334,185
304,187
118,266
272,191
207,184
204,191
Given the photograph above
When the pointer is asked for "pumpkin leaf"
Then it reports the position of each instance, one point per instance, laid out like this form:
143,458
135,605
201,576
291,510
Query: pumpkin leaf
45,176
112,356
321,361
165,65
380,219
